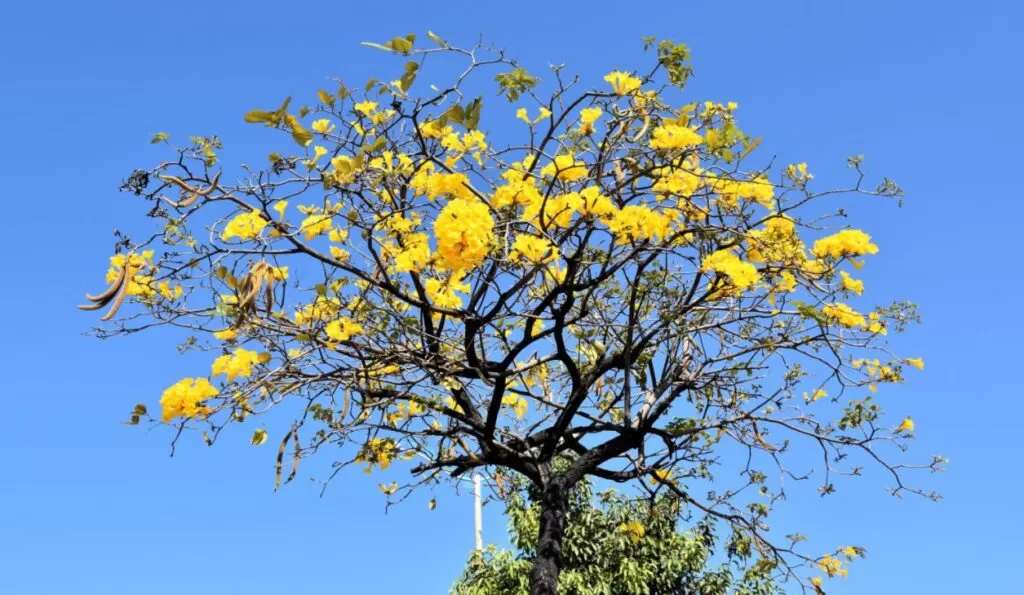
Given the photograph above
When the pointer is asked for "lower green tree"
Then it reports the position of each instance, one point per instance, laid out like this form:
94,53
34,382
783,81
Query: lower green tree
617,544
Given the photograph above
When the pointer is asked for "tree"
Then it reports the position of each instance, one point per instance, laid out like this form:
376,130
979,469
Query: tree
620,546
617,288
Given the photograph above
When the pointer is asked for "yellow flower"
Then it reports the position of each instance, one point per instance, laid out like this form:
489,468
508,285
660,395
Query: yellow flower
844,315
184,398
818,394
673,136
849,242
246,226
916,362
786,283
165,289
634,530
777,242
237,364
565,167
741,274
588,116
637,222
315,225
343,329
323,126
660,476
522,114
906,426
377,451
729,191
517,403
465,231
832,566
228,334
388,489
322,308
442,293
365,107
533,249
280,206
622,83
850,284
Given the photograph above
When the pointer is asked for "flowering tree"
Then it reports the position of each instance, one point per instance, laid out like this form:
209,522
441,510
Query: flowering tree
617,291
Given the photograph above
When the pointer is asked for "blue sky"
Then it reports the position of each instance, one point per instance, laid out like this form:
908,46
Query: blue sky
928,91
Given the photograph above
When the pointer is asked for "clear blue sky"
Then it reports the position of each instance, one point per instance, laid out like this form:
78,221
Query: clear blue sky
930,92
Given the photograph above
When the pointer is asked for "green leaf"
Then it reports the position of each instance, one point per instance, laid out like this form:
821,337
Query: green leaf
257,116
406,80
750,147
377,46
258,437
473,113
159,137
299,133
513,84
378,144
325,97
433,37
402,45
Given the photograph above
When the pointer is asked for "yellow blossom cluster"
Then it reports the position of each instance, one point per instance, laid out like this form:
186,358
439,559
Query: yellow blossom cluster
854,286
533,250
238,364
369,110
184,398
622,83
435,185
442,292
565,167
343,329
315,225
832,566
729,192
777,242
742,274
849,242
639,222
138,285
245,226
517,403
674,136
464,230
844,315
588,116
379,452
634,530
523,115
322,308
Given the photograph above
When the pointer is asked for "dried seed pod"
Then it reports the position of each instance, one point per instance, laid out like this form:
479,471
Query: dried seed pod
194,193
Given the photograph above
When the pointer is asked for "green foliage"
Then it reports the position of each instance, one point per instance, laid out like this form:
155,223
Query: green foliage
614,545
516,82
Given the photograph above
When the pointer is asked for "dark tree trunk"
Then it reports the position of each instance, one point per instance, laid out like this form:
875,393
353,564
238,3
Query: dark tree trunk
547,563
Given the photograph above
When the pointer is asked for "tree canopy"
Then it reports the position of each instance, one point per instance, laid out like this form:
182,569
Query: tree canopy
625,285
616,545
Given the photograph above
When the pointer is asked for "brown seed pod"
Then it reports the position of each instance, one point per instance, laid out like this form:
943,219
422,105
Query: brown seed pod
194,193
107,294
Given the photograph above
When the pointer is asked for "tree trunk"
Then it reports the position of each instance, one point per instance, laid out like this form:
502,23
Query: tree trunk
548,561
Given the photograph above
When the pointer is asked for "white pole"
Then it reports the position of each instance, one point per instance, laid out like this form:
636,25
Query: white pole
478,517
